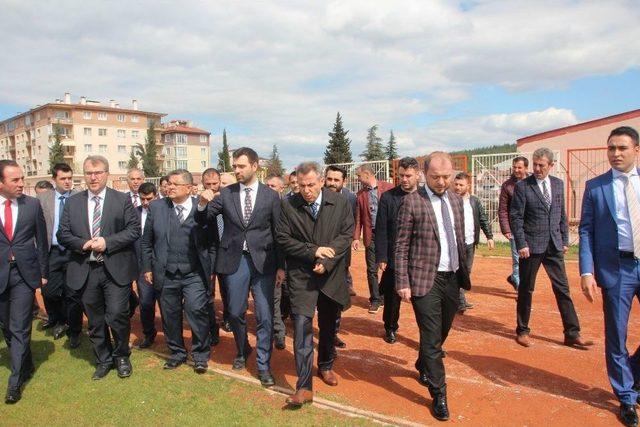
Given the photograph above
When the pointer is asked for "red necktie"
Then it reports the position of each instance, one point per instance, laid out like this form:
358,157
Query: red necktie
8,220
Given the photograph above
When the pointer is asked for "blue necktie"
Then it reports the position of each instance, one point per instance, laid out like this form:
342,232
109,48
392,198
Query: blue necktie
60,209
314,210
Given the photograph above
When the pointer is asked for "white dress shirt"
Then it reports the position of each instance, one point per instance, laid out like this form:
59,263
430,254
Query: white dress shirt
91,205
625,233
548,183
14,213
143,217
187,205
445,262
469,223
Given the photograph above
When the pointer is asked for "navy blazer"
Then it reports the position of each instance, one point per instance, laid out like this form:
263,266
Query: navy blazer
30,246
154,245
386,225
259,233
532,224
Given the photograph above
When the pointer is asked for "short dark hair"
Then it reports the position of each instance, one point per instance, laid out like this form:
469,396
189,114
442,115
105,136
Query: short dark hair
463,175
334,168
210,171
408,162
625,130
60,167
4,164
521,159
185,174
246,151
44,185
163,178
148,188
293,173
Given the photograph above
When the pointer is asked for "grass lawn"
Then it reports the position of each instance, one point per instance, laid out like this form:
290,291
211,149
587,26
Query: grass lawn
504,249
62,393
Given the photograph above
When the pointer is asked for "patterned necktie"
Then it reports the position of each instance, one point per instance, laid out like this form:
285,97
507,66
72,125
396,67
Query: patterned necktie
8,220
220,222
633,206
136,200
545,194
247,205
314,209
180,209
95,225
448,229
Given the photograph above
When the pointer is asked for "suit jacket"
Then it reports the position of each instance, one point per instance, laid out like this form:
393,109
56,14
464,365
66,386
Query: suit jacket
418,250
480,220
120,227
532,224
299,236
259,233
353,200
599,246
29,245
363,215
48,202
504,205
386,225
155,241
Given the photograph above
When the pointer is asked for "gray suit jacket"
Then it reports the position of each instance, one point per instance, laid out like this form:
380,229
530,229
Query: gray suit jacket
48,203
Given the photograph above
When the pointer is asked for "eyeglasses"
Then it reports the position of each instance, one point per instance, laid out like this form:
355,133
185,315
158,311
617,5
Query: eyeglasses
94,173
173,184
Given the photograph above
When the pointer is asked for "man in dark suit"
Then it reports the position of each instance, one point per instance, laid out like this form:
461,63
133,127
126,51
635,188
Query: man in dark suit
99,226
609,258
64,309
247,255
475,219
367,208
176,259
314,232
385,242
430,268
23,268
539,227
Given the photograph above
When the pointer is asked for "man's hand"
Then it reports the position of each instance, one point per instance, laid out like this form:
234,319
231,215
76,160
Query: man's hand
205,197
87,245
325,252
99,244
508,236
491,244
565,249
405,294
524,253
588,285
279,277
44,281
382,266
148,276
355,245
319,269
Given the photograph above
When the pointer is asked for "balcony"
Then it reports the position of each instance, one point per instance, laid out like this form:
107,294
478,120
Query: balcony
61,121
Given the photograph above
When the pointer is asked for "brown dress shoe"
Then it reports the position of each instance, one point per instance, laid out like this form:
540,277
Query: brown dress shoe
578,343
300,397
328,377
524,340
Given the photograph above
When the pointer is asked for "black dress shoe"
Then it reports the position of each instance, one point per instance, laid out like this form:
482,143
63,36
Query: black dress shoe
101,372
74,341
440,409
147,341
339,343
628,415
226,326
239,363
60,330
390,336
123,365
173,363
200,367
13,395
280,343
48,324
266,379
512,282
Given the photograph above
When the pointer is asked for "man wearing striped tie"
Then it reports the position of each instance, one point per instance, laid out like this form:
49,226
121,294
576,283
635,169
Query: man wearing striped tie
100,226
135,178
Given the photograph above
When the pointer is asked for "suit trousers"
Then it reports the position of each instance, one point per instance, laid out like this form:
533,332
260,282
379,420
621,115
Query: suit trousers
391,311
16,315
372,271
515,258
434,313
247,279
281,309
148,296
223,296
622,369
553,262
53,294
107,308
185,293
211,309
328,312
471,251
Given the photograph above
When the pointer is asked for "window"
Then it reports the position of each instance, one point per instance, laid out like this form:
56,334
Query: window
122,133
122,149
203,151
203,164
181,164
120,117
167,151
181,151
102,132
167,138
122,164
204,139
37,116
88,148
27,121
62,114
102,148
87,131
135,134
135,119
181,139
102,116
86,115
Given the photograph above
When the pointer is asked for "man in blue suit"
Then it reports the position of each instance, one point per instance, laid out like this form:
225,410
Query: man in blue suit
247,256
609,258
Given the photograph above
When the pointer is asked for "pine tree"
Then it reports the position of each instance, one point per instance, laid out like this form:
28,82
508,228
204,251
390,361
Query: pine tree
390,149
149,153
133,160
274,164
224,162
339,147
56,152
374,150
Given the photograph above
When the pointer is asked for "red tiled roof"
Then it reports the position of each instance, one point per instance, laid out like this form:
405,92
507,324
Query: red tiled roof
185,129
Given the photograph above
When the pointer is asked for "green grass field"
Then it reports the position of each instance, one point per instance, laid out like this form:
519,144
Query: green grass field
62,393
503,249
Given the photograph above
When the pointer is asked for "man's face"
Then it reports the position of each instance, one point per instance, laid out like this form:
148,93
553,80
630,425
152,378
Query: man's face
275,184
293,183
310,186
244,170
12,182
622,153
95,176
211,182
63,181
364,177
408,179
519,170
461,186
334,181
164,188
135,180
541,167
439,175
179,190
146,199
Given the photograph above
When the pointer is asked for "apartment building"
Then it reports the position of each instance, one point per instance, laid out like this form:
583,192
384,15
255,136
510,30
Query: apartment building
185,147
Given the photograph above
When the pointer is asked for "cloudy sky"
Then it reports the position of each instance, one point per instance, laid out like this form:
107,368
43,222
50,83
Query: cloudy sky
441,74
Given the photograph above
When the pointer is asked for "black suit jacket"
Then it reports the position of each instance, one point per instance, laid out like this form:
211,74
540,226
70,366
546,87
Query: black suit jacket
386,225
259,233
30,246
120,227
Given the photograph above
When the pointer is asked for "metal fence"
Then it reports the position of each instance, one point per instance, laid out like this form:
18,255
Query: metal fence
380,169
